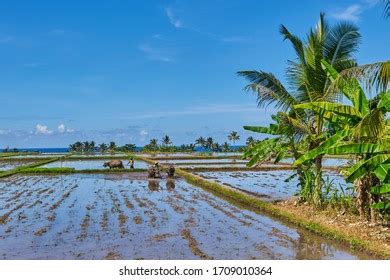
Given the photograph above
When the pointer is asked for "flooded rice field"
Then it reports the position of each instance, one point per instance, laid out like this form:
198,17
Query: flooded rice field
327,162
99,155
268,185
203,161
38,156
125,216
8,165
92,164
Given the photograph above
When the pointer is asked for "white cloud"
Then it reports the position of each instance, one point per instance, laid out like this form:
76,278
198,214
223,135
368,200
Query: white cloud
154,53
143,133
42,129
4,132
351,13
62,129
172,18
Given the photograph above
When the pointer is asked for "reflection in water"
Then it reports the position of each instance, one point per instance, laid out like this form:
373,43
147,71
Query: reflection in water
154,185
310,247
170,185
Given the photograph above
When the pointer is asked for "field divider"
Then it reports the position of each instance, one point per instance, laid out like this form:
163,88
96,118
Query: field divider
279,212
30,166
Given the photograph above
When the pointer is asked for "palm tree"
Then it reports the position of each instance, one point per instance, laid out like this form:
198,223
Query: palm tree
363,132
209,143
103,147
250,141
387,8
112,147
201,142
309,82
225,147
166,141
153,142
216,147
129,147
233,136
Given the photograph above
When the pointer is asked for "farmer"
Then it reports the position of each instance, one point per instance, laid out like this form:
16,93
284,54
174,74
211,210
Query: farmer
131,163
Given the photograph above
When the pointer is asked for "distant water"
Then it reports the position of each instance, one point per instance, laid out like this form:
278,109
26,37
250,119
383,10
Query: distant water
42,150
65,150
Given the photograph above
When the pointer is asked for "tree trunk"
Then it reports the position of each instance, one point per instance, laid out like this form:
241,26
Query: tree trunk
317,195
362,197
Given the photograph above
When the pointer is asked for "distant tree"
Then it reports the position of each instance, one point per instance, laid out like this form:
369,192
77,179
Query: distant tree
250,141
201,142
233,136
92,146
103,147
191,147
225,147
166,141
209,143
112,146
216,147
129,147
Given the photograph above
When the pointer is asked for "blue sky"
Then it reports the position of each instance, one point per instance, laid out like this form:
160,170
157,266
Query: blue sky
129,71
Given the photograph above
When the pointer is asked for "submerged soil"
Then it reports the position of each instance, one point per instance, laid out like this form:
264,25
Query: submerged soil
125,216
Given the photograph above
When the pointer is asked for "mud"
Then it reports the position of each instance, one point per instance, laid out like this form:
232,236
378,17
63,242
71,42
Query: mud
119,216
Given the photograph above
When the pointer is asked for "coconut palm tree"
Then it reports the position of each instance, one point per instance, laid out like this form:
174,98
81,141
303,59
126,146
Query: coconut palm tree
309,82
386,11
250,141
225,147
233,136
103,147
112,146
209,143
201,142
166,141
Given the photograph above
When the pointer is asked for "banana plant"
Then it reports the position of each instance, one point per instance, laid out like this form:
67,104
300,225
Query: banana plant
363,132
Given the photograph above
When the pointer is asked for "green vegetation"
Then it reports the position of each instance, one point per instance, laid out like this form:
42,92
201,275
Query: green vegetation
313,122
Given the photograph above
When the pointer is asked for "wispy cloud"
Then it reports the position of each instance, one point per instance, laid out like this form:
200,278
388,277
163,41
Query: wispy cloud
199,110
351,13
155,53
354,11
173,19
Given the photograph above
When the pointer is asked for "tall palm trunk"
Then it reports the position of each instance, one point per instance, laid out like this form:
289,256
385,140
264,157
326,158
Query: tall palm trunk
317,195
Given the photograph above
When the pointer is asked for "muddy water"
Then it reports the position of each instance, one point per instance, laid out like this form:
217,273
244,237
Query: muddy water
8,165
268,185
92,164
39,156
114,216
198,161
99,155
328,162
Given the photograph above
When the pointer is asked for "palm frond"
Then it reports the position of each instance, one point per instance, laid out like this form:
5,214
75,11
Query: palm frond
372,76
269,89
